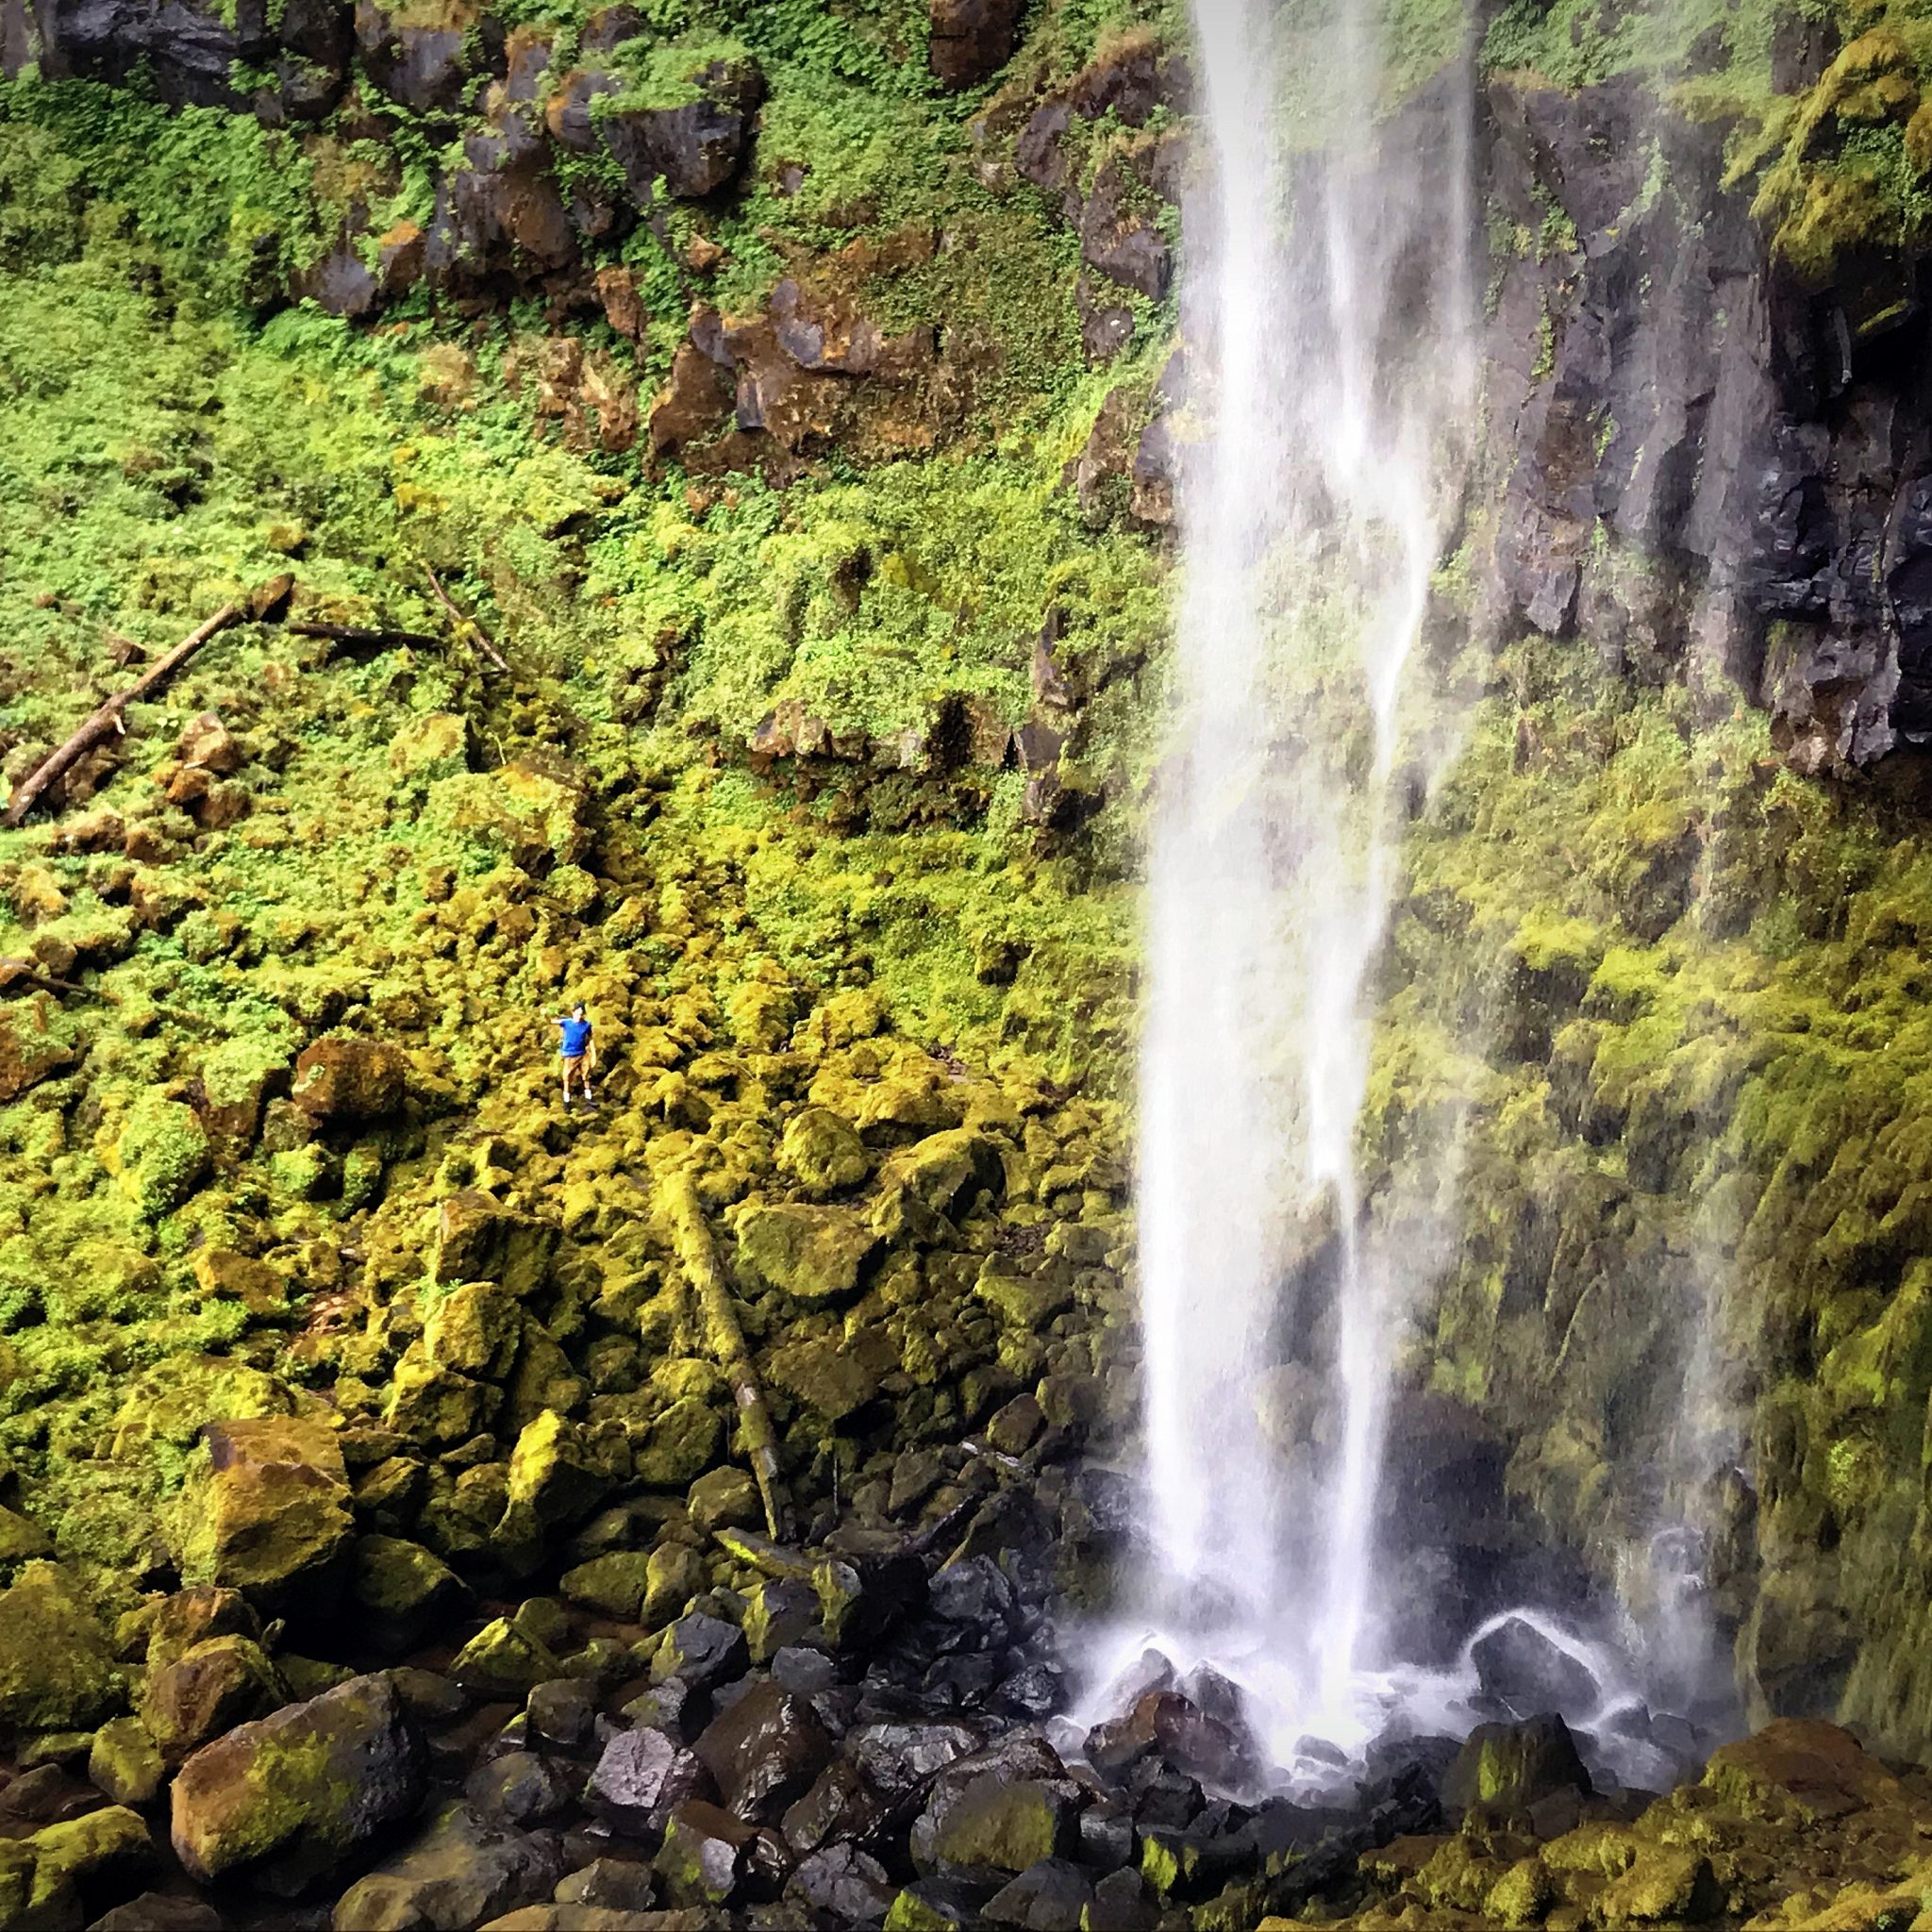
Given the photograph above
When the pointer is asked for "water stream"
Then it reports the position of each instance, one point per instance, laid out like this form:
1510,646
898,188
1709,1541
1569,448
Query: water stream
1330,322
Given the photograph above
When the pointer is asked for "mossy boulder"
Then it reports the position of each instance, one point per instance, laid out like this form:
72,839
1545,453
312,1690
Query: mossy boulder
268,1514
21,1539
1026,1303
475,1329
1669,1885
162,1155
815,1254
552,1475
998,1824
678,1445
1509,1766
822,1152
57,1661
827,1377
938,1170
85,1865
504,1659
344,1080
458,1871
725,1495
400,1592
614,1584
1801,1771
210,1688
124,1763
477,1239
293,1797
437,1407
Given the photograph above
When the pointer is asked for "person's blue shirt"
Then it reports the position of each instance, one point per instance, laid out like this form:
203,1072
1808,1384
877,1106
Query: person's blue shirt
576,1036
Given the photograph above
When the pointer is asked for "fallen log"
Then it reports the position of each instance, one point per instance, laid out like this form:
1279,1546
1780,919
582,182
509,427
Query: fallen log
107,718
468,628
691,1236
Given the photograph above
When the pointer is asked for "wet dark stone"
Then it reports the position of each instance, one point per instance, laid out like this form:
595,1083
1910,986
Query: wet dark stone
843,1882
1525,1673
899,1758
841,1805
642,1777
802,1671
1035,1691
972,1591
520,1789
613,1884
702,1652
1049,1896
1107,1836
764,1752
1121,1905
560,1711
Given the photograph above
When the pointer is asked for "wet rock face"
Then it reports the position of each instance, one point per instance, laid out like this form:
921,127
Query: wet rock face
1724,476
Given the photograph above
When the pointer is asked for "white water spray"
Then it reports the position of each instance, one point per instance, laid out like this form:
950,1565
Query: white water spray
1330,361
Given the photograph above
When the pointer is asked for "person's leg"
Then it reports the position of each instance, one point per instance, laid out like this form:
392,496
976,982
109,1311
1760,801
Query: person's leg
566,1065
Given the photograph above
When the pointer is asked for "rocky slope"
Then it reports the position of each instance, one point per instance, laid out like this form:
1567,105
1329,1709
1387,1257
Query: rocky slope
421,1504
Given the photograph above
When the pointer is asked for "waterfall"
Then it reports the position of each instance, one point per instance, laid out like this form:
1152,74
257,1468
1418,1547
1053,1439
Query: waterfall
1328,314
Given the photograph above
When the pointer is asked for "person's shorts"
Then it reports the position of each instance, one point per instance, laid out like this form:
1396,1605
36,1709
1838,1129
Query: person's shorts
571,1061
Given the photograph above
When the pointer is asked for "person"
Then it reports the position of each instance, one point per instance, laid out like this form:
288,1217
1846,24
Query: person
576,1050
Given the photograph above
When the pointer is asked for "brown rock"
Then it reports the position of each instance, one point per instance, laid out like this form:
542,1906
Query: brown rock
766,1751
340,1079
624,308
971,38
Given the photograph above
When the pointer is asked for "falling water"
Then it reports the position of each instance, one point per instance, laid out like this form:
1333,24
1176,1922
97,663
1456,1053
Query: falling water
1329,312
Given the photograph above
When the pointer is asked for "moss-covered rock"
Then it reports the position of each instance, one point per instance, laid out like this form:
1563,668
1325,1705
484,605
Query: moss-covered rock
209,1687
678,1445
57,1666
268,1514
815,1254
822,1152
400,1592
615,1583
161,1153
504,1659
124,1762
294,1795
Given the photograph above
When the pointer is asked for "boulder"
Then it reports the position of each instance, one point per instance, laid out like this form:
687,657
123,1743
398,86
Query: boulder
1051,1896
1509,1766
124,1763
210,1688
400,1592
475,1329
84,1865
695,146
504,1659
293,1797
477,1239
846,1884
339,1080
162,1155
552,1475
1000,1824
438,1407
725,1496
269,1515
701,1652
611,1884
614,1584
458,1871
641,1778
937,1170
706,1855
1526,1671
518,1788
764,1752
828,1377
1800,1770
56,1663
815,1254
678,1445
822,1151
972,40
